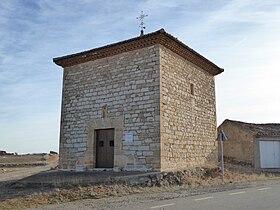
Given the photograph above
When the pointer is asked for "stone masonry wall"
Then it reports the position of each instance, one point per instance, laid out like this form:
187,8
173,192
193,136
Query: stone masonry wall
128,85
188,129
239,145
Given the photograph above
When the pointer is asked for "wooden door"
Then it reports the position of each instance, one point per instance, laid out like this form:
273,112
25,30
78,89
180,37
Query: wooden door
105,148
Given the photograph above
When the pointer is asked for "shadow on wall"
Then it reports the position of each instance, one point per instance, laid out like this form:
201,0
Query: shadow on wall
212,158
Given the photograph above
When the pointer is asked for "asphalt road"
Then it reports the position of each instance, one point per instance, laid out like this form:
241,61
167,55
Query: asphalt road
260,196
264,197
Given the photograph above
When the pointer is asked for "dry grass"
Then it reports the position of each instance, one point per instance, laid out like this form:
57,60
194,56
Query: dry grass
200,177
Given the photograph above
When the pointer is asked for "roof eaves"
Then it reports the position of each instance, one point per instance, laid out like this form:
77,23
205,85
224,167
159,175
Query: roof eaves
89,54
193,51
260,130
57,59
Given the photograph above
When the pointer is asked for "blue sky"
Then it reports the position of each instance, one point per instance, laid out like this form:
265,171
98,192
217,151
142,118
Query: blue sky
241,36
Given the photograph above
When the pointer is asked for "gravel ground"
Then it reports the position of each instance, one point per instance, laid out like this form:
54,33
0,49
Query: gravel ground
137,200
19,173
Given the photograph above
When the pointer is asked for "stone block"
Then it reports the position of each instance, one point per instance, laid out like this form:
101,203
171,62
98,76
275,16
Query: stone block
150,87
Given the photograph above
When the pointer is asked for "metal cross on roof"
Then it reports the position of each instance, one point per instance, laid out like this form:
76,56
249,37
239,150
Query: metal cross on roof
141,25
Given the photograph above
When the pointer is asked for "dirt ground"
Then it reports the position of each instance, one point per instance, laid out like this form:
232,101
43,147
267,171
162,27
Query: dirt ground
14,167
21,197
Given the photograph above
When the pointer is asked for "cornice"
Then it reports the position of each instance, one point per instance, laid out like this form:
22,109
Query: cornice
158,37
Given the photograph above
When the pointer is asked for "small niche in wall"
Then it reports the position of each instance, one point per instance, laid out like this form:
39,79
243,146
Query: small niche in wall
104,111
192,88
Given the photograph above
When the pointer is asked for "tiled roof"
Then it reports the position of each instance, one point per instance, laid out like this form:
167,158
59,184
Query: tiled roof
260,130
157,37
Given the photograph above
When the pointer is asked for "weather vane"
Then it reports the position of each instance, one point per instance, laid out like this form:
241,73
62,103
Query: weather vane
141,25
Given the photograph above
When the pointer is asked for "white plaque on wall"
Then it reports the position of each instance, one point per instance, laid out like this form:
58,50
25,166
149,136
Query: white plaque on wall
128,137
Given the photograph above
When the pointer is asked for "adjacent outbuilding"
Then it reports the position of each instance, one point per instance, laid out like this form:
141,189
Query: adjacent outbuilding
255,144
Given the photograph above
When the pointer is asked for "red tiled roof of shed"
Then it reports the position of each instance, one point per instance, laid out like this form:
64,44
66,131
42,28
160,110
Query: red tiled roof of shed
260,130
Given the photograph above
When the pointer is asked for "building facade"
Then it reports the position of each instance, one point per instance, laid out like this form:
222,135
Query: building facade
251,143
146,103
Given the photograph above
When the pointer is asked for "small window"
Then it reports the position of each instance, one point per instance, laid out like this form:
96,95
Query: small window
192,88
112,143
101,143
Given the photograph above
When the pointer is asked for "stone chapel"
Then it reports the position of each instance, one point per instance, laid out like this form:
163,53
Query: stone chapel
146,103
